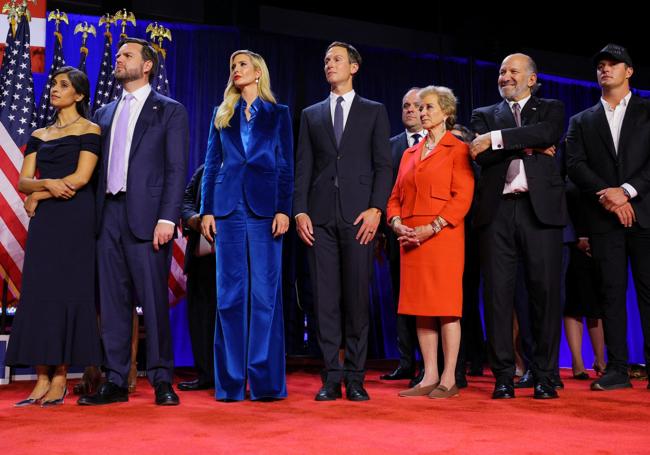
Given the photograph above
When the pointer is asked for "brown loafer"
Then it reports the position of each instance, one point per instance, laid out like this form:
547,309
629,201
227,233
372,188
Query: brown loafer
418,391
443,392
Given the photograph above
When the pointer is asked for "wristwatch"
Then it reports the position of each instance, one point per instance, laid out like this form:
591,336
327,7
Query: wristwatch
626,192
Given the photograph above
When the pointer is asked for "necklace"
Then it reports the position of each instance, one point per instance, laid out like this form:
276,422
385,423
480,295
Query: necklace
60,127
429,145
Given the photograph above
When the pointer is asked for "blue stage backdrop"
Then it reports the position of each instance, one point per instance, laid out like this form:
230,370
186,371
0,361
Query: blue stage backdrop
197,67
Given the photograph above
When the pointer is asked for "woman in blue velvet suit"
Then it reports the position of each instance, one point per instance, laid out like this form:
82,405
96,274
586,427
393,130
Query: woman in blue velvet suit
246,202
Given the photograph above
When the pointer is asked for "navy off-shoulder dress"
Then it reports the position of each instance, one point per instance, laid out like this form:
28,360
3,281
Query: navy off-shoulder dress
56,318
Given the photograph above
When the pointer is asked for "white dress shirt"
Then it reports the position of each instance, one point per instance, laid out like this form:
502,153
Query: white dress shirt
346,104
615,118
409,137
520,183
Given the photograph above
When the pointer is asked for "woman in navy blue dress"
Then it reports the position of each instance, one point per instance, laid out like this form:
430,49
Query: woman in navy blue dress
246,200
56,322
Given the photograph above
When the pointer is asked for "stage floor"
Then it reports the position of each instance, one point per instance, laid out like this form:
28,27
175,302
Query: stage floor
580,421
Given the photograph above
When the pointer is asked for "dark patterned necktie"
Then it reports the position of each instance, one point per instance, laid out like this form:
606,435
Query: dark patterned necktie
338,120
513,167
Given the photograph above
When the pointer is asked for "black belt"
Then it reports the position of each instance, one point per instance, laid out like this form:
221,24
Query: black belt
517,195
120,195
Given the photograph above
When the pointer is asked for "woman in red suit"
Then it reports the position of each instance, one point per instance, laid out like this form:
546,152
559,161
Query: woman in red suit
431,196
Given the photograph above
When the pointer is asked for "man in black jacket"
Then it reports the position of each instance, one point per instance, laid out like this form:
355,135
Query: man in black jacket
608,158
520,212
200,268
406,335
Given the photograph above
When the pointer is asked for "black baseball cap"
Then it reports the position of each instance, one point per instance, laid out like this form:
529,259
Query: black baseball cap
613,52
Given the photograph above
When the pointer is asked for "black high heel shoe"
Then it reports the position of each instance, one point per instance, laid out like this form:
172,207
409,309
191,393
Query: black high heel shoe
30,401
600,371
56,402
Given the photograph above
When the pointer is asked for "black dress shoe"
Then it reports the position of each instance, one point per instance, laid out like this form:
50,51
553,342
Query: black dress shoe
503,389
107,393
329,392
557,382
196,384
165,395
612,380
399,373
526,381
418,379
545,390
354,391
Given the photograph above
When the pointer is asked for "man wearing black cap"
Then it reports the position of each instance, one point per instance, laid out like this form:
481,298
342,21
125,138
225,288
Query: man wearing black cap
608,151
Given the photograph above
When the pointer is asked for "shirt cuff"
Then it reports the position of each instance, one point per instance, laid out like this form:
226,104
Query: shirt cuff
497,140
630,189
167,222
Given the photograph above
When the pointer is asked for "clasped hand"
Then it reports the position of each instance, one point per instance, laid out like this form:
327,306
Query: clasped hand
614,200
412,237
60,188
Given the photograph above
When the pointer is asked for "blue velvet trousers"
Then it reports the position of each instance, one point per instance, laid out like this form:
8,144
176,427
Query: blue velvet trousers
249,332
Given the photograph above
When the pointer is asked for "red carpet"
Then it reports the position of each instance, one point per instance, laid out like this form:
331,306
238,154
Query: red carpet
579,422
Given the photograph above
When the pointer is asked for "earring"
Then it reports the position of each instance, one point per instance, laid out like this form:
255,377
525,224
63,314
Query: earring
257,80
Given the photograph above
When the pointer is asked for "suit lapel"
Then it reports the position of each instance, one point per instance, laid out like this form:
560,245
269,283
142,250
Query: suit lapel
234,131
503,116
629,122
603,128
405,141
107,127
529,112
151,105
261,127
326,118
354,116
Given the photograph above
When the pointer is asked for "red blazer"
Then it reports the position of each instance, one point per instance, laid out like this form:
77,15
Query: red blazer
441,184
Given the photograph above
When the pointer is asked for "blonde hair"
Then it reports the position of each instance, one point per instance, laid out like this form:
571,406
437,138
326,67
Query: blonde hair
446,100
232,95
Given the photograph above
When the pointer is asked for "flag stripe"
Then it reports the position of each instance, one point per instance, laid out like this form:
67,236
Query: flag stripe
10,258
8,146
13,225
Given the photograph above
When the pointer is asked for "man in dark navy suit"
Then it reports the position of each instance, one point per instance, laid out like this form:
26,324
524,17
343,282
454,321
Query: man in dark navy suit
139,194
343,178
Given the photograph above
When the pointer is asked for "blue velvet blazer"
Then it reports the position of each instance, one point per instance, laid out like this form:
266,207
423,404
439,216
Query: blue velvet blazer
263,177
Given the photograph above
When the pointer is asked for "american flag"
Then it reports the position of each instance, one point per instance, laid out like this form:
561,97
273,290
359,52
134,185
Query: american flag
160,82
177,280
45,110
107,88
3,69
16,125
